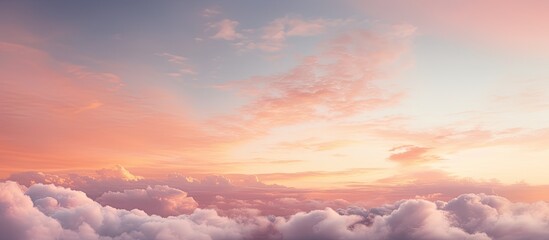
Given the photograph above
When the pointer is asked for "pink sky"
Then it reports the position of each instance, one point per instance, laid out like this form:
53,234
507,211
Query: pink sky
216,110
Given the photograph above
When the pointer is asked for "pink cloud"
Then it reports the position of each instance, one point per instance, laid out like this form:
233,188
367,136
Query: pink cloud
182,63
118,173
226,30
227,194
273,36
435,142
160,200
338,82
410,154
276,32
119,184
78,110
30,178
300,27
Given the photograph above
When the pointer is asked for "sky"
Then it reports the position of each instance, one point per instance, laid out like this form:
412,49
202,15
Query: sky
293,109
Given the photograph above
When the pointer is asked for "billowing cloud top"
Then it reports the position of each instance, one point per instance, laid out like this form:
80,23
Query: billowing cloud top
50,212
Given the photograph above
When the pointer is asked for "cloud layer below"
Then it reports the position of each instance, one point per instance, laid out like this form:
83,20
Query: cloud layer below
49,212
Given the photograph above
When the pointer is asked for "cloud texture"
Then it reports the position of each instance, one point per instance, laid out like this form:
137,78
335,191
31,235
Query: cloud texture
159,200
49,212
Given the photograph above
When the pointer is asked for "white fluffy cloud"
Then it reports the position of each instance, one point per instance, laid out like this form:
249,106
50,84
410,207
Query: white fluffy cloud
413,219
499,218
160,200
50,212
19,219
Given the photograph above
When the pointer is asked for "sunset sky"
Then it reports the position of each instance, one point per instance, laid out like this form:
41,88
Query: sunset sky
340,102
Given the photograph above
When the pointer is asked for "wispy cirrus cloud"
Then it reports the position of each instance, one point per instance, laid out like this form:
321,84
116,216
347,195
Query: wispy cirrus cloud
274,35
210,12
182,63
338,82
97,110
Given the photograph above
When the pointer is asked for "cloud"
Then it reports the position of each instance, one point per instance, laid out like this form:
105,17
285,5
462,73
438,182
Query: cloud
338,82
115,185
20,219
241,191
410,154
80,114
498,217
30,178
160,200
184,68
226,30
50,212
412,219
223,193
274,35
433,143
210,12
118,173
274,205
469,216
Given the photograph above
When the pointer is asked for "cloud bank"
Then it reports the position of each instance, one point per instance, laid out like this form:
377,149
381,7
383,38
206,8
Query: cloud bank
159,200
50,212
176,193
